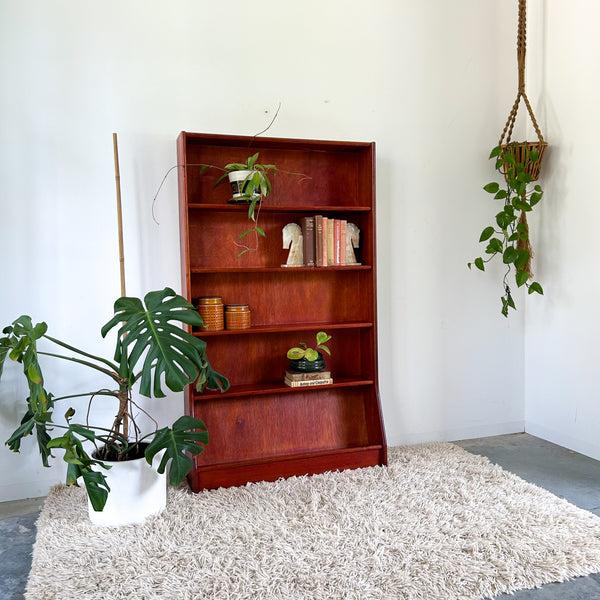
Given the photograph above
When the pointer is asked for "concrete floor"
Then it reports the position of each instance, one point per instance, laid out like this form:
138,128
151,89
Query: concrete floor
566,474
17,534
563,472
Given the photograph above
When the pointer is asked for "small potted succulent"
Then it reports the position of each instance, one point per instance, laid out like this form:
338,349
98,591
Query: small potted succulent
152,350
249,184
308,360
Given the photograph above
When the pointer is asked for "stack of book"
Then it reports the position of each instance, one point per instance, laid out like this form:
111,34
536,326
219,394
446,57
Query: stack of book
301,379
324,241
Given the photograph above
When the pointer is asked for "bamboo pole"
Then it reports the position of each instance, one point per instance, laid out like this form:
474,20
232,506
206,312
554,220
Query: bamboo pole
119,214
123,402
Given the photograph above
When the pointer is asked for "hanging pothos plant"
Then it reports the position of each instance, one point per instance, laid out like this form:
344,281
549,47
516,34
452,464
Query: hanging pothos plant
508,236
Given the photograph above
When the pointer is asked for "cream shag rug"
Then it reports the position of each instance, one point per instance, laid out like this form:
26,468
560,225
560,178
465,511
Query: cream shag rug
437,524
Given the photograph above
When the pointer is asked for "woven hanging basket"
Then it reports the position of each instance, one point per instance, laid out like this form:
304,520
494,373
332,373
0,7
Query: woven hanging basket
522,150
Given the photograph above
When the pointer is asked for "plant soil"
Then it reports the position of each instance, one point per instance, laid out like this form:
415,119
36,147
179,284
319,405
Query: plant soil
135,451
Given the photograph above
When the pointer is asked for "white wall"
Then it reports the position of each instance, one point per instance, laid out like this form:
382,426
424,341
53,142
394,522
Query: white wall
428,81
562,352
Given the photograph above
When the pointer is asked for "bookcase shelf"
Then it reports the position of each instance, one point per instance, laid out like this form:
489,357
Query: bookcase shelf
280,209
287,270
278,387
261,429
284,327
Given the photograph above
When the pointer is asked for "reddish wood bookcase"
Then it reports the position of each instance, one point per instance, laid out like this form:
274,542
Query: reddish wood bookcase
260,429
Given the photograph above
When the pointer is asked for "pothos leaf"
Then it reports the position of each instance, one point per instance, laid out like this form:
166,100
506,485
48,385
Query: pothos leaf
535,287
486,234
521,277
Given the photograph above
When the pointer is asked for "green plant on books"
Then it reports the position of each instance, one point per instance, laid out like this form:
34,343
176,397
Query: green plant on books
508,236
250,183
310,354
150,349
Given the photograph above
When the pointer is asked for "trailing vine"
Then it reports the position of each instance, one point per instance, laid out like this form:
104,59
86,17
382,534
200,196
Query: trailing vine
508,237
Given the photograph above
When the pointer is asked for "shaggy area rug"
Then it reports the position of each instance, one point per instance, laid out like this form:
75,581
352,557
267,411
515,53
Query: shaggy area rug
438,523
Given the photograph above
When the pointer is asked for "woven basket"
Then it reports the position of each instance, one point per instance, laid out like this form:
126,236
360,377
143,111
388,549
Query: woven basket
521,152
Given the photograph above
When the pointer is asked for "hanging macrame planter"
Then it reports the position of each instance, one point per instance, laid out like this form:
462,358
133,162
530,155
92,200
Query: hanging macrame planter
530,154
522,151
519,163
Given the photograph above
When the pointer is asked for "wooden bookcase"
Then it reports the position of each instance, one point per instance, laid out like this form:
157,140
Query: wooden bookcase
261,429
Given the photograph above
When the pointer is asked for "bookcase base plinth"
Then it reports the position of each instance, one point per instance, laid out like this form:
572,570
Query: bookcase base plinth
240,473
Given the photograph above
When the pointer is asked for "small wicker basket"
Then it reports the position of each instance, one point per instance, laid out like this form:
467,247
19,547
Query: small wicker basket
521,152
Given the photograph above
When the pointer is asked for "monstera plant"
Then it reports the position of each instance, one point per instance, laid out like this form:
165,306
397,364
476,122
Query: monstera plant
152,350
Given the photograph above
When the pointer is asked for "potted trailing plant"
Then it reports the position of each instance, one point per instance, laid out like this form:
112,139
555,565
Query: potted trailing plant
305,359
508,237
150,348
249,184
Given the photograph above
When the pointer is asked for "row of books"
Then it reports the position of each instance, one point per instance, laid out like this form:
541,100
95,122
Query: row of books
326,241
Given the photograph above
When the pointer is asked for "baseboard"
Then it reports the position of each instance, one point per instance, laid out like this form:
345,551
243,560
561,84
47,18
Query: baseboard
460,433
28,489
561,439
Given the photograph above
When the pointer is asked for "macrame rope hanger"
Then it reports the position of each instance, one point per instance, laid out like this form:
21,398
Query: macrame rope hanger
522,151
541,145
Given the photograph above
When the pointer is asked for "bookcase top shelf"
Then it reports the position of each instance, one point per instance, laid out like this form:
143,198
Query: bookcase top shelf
249,270
279,209
250,143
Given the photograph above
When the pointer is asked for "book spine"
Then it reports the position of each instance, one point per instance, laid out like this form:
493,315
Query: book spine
324,241
319,240
343,233
308,233
308,383
336,241
330,224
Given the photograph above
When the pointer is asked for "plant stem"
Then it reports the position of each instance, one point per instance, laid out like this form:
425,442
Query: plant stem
121,419
113,394
111,374
78,351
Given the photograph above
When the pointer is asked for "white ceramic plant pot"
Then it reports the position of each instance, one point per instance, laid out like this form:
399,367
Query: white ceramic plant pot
237,179
137,491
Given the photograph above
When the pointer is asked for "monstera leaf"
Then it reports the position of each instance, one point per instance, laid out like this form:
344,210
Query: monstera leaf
148,333
21,346
183,437
81,464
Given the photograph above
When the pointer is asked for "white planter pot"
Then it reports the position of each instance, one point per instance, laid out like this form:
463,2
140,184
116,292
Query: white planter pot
137,491
237,179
